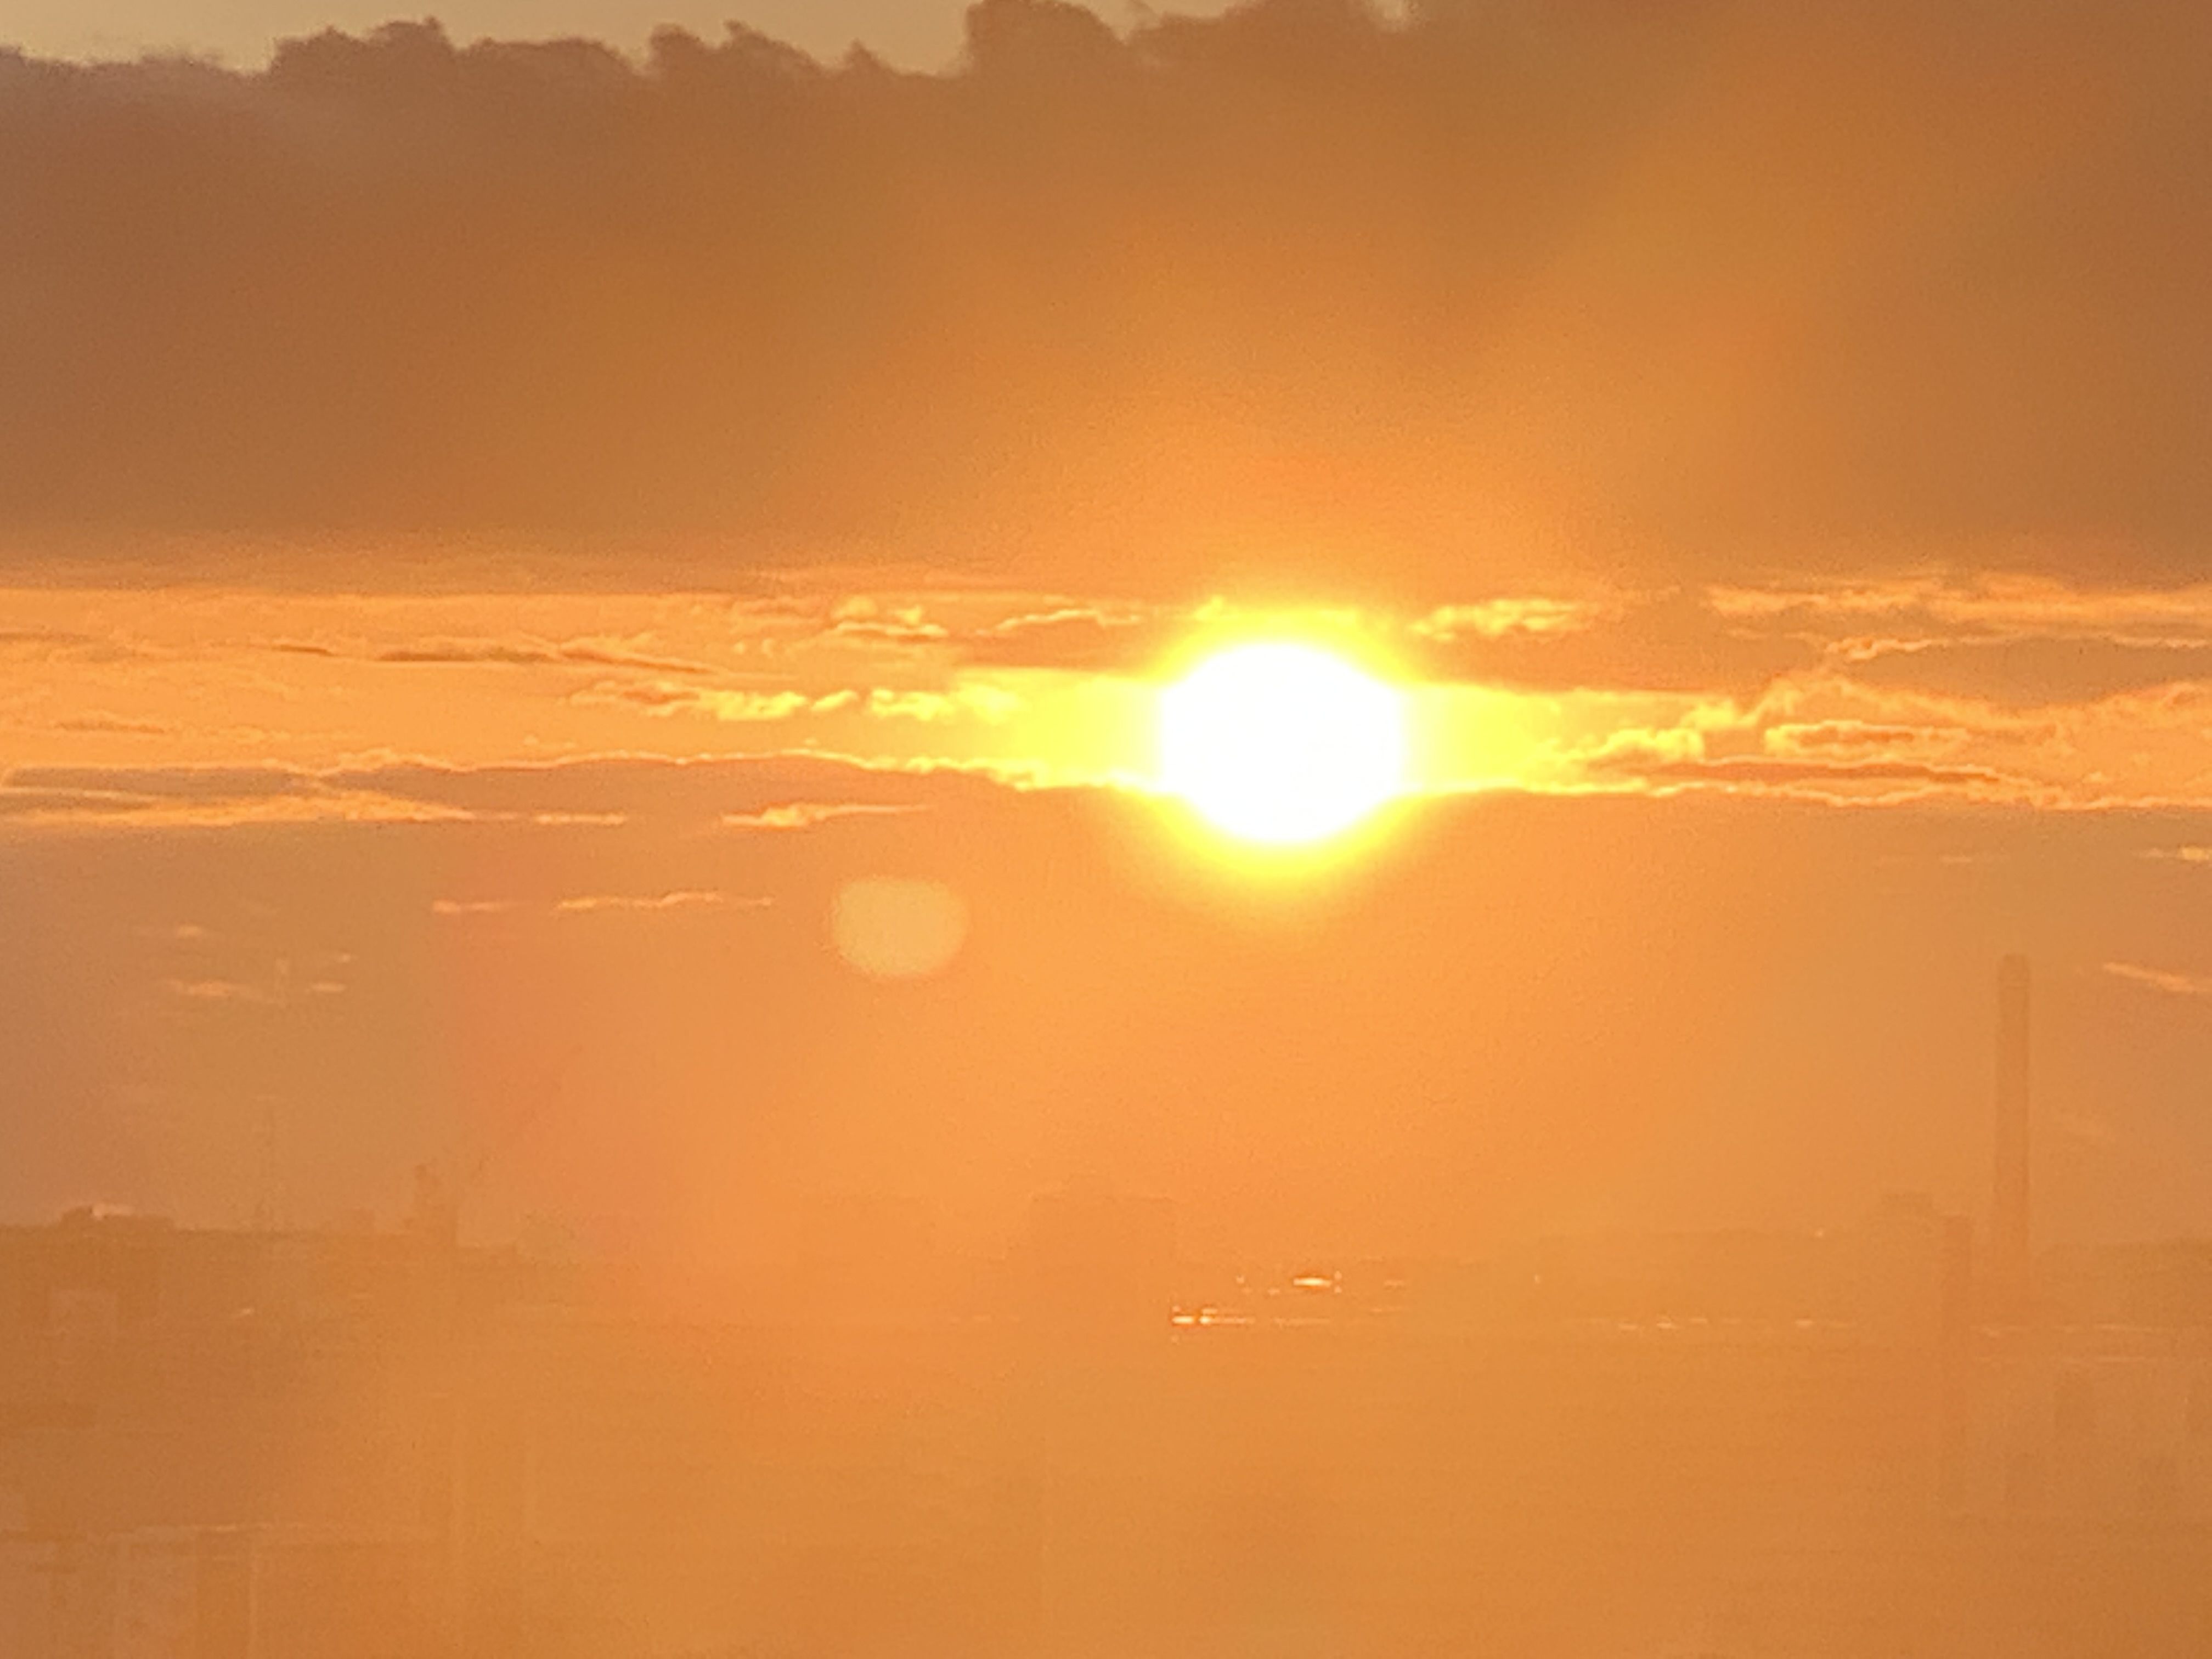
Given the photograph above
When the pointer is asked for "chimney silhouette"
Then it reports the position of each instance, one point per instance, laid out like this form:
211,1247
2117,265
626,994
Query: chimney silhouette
2010,1238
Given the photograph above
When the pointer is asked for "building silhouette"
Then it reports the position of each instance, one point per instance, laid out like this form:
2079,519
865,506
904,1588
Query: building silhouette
2011,1233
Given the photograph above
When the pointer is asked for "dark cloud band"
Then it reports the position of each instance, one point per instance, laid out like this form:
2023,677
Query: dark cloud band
1293,292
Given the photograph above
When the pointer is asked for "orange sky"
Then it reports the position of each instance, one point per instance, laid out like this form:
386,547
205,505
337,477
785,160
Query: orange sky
413,875
496,540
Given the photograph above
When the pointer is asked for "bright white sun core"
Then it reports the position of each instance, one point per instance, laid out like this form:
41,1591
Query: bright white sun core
1281,743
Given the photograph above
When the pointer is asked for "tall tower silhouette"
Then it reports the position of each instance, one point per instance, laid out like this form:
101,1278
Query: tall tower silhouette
2010,1236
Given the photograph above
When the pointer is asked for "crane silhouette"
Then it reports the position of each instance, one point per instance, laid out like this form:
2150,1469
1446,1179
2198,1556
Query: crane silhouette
441,1187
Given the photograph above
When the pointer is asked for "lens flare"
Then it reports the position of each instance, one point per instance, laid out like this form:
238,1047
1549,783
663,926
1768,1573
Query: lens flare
894,929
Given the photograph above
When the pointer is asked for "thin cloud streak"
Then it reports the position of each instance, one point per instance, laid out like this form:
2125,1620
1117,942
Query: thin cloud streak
769,792
583,904
681,899
2160,979
804,815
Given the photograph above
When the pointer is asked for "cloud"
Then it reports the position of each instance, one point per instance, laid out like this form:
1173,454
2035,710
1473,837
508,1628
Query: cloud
21,638
535,654
58,804
646,789
805,814
282,988
2027,644
198,798
1841,782
113,725
218,990
742,706
1293,295
1645,750
754,705
2182,854
1997,605
774,791
1758,768
2025,670
1738,688
1095,637
653,696
166,783
267,996
1858,739
2160,979
1524,614
682,899
2012,639
982,702
679,899
1672,639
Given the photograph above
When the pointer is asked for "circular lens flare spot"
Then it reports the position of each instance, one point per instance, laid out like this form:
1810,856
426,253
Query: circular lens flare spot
1281,743
891,928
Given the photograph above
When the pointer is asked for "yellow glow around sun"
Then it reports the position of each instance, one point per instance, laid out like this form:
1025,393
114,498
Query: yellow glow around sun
1281,743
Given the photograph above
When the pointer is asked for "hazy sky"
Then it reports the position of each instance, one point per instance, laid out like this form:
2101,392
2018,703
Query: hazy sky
495,541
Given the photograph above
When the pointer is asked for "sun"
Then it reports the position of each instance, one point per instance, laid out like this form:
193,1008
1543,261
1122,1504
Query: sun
1281,743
